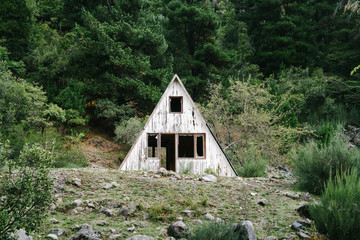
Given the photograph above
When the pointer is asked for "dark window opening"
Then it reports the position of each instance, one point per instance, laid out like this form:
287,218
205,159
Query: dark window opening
175,104
153,145
186,146
200,146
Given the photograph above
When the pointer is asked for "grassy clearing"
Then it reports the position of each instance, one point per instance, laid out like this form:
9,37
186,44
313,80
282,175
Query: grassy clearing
164,199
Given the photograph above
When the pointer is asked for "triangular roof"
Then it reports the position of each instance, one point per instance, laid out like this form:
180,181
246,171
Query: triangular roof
177,79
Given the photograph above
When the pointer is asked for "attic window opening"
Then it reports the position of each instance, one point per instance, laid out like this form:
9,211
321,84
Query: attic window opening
152,145
176,104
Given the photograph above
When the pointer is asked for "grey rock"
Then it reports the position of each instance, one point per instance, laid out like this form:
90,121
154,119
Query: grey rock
53,220
209,178
188,213
270,238
304,235
292,195
306,196
21,234
126,199
108,212
131,229
262,202
141,224
174,175
146,216
132,207
52,207
113,204
108,186
91,205
77,203
116,236
100,223
77,182
179,219
125,211
52,236
87,233
297,226
140,237
306,223
246,230
156,176
219,220
178,230
253,194
162,171
3,198
210,217
197,222
57,231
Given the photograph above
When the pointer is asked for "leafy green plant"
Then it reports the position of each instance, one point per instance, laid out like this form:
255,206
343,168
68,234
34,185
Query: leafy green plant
185,168
127,131
338,213
160,212
253,168
314,163
214,231
27,189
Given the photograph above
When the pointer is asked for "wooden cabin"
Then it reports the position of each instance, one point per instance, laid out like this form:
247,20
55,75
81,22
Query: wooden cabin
177,138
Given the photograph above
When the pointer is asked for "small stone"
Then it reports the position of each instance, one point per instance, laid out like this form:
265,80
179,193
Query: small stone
77,182
306,196
208,178
101,223
140,237
77,203
141,224
292,195
57,231
188,213
126,199
162,171
125,211
178,230
179,219
306,222
108,212
197,222
297,226
210,217
113,204
52,207
262,202
3,198
303,235
146,216
52,236
219,220
74,212
156,176
91,205
108,186
20,234
131,229
116,236
53,220
86,232
253,194
270,238
174,175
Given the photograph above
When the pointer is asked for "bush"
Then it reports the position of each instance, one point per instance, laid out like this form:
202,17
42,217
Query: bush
338,213
314,162
27,189
214,231
127,131
252,168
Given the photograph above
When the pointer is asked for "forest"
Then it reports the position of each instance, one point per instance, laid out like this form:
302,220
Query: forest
277,80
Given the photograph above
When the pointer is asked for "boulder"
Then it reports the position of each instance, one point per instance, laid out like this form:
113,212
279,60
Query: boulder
87,233
178,230
209,178
162,171
53,220
210,217
77,203
52,236
108,212
140,237
21,234
188,213
57,232
246,230
297,226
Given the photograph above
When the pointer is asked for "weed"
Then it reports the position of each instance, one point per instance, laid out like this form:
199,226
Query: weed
214,231
160,212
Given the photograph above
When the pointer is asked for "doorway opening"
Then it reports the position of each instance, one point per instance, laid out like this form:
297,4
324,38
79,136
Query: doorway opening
168,151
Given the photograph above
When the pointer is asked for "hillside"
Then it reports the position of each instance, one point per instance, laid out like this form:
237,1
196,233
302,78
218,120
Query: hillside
122,204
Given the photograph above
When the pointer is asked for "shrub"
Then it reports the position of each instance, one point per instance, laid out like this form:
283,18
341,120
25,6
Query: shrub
338,213
253,165
27,188
214,231
160,212
313,163
127,131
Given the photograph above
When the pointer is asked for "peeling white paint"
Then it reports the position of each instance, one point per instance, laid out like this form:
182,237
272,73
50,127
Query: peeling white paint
190,121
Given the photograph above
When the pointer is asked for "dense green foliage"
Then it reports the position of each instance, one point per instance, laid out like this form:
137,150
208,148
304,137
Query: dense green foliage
337,214
269,76
26,188
315,163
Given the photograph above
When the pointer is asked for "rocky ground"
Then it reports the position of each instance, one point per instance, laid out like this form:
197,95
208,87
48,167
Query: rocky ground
111,204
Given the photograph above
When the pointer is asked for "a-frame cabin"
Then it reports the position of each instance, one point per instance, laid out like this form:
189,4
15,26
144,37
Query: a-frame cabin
177,138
